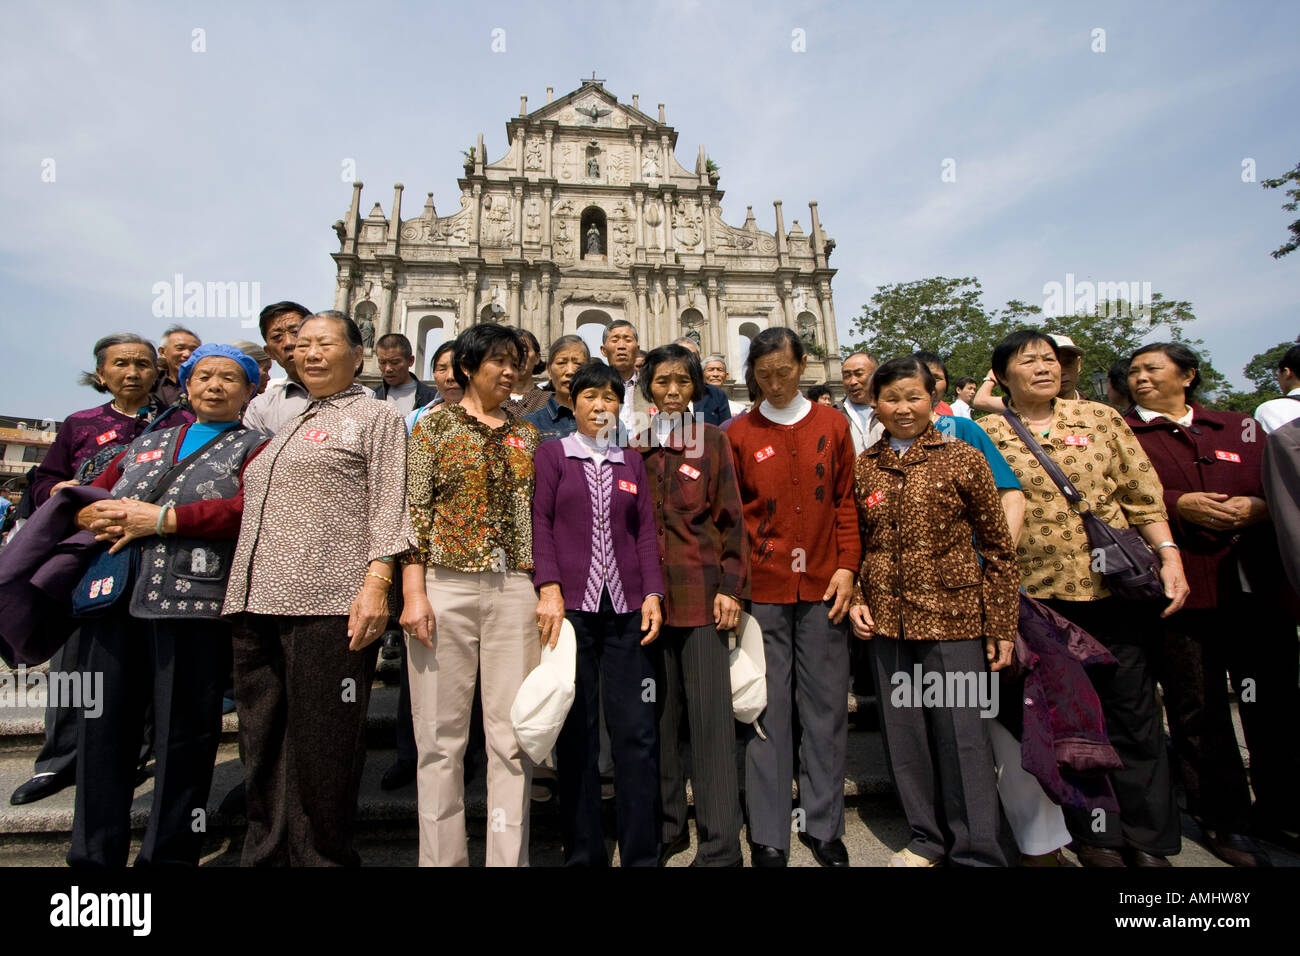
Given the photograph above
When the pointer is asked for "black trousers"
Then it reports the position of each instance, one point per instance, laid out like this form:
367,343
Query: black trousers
302,698
1148,817
695,682
180,668
940,757
1200,649
609,649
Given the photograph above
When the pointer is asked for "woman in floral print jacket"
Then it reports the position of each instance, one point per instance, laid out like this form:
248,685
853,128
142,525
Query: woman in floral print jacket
937,609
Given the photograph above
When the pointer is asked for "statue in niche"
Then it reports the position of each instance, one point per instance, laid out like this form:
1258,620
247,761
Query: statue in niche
367,332
498,300
533,219
694,335
800,301
593,240
593,168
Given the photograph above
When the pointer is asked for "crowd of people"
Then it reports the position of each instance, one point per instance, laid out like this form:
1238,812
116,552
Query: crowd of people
1040,592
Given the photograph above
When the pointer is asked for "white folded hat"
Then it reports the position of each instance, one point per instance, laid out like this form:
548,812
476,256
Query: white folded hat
545,696
748,667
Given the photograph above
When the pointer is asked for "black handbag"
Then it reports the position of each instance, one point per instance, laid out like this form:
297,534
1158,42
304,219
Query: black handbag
1129,568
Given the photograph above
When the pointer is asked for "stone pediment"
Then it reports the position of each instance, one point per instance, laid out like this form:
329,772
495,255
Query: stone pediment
592,107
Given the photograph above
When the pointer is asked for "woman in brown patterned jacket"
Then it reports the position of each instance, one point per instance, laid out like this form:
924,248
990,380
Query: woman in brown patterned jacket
941,613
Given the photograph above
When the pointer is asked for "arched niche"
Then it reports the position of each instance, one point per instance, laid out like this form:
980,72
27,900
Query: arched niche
430,332
593,216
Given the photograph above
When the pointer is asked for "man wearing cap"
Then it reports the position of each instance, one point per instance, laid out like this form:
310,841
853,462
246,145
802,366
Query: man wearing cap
1071,367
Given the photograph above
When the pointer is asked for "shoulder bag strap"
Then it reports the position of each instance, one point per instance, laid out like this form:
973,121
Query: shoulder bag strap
1051,467
165,481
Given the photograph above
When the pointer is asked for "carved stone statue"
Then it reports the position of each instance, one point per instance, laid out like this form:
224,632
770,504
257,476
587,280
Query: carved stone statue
367,331
650,164
593,240
593,168
533,155
800,301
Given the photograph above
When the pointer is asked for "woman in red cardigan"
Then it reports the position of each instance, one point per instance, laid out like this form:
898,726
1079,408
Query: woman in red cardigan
1210,466
794,463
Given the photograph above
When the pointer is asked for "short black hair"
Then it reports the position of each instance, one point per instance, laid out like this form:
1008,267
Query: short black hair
277,309
350,331
963,382
530,341
817,391
478,342
396,340
1291,360
596,374
1013,343
905,366
440,351
773,340
672,353
932,358
1186,359
1117,375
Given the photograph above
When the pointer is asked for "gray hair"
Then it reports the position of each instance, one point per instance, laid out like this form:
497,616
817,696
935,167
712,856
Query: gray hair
566,342
715,357
101,356
619,324
173,329
350,331
252,350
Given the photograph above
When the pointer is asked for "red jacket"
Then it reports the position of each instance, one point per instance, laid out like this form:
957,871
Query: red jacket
796,484
1221,452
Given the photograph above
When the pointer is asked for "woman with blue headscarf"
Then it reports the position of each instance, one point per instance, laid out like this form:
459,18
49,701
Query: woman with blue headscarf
177,497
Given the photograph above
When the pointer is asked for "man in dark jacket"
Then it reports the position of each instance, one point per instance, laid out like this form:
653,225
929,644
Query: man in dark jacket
400,388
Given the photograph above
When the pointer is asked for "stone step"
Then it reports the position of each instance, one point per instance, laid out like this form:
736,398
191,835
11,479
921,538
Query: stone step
866,775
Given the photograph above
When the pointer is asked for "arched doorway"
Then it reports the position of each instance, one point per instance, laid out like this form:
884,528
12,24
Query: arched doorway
591,326
430,332
745,336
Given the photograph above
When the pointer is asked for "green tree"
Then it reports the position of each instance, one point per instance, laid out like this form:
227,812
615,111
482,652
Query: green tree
1294,193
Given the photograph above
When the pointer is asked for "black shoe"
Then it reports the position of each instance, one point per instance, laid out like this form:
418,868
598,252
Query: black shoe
1142,858
826,852
398,775
1234,848
1092,856
392,646
234,803
42,786
765,855
669,850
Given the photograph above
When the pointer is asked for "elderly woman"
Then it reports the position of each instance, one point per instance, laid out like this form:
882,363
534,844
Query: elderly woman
125,368
555,420
1101,458
166,641
794,465
594,537
1211,469
705,558
323,521
469,598
934,604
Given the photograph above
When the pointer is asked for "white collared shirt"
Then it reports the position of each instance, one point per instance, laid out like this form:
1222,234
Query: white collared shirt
1148,415
1276,412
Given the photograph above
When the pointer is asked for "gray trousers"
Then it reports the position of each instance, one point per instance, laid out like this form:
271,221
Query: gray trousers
940,758
808,664
695,680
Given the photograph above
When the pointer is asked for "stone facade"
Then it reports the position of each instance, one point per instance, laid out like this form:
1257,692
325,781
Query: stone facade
588,218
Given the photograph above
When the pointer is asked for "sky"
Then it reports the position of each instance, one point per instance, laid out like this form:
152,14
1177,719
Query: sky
1013,142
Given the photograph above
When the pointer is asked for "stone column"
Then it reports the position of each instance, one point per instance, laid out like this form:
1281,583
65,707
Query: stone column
787,317
548,322
712,287
513,300
386,305
547,163
638,204
476,219
674,314
644,332
636,157
471,299
518,212
706,206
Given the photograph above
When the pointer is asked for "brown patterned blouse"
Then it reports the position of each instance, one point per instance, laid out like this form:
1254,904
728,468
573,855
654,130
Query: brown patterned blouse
324,498
1103,459
470,491
920,575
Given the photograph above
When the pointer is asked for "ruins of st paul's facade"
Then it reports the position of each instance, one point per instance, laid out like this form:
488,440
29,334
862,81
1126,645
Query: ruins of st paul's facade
588,218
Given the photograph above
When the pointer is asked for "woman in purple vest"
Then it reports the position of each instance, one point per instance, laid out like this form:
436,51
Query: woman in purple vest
163,640
596,563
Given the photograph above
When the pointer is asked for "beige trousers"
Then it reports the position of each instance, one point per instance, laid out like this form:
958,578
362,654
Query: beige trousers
482,621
